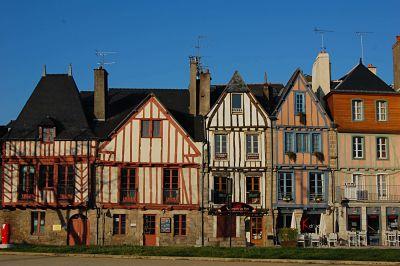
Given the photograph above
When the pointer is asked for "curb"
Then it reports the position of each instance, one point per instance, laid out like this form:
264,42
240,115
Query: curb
293,261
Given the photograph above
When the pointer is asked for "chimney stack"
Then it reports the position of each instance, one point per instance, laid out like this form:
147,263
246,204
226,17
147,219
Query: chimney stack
321,75
396,64
100,94
44,71
193,85
70,70
372,68
204,100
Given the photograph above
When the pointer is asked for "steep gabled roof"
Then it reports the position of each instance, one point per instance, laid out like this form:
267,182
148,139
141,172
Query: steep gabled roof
55,100
122,102
361,79
237,84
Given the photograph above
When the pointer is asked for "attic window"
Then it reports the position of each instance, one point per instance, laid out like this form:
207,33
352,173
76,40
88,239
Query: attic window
237,103
47,134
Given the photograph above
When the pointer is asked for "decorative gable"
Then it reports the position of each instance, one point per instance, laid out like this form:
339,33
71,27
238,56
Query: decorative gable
299,106
152,136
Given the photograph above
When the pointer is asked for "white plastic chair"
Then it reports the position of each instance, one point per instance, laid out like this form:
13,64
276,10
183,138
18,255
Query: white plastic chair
301,239
332,239
391,239
352,239
315,239
362,238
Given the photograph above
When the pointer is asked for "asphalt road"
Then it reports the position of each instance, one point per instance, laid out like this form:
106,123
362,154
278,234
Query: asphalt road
25,260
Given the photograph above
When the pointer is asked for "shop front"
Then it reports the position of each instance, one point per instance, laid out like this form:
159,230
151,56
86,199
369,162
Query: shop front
373,226
392,218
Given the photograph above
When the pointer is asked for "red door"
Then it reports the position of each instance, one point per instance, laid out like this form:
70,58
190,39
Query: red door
149,230
78,230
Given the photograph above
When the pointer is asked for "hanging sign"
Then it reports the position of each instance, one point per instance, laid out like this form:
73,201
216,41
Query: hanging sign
236,208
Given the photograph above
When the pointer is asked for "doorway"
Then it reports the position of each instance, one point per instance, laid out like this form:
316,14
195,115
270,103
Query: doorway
78,230
149,230
373,229
256,232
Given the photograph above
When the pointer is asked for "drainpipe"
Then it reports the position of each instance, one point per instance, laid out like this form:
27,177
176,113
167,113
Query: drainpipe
202,194
272,176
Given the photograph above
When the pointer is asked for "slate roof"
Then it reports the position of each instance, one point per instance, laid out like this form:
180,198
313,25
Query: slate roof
56,101
123,101
361,79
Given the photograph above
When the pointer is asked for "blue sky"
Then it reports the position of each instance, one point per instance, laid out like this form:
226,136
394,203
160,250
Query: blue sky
154,39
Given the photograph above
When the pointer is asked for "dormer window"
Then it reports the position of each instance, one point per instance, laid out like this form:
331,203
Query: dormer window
237,103
47,134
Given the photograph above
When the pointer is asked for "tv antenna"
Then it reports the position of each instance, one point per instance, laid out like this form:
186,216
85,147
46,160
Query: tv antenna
361,34
197,46
322,33
102,58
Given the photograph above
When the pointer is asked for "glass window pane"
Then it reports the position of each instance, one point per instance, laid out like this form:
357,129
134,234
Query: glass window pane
156,129
236,102
145,128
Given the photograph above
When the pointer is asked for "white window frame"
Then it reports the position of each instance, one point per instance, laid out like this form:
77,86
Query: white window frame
381,110
357,110
382,147
357,147
252,152
382,188
316,191
235,109
218,149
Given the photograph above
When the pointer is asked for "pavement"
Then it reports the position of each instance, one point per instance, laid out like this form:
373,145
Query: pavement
25,259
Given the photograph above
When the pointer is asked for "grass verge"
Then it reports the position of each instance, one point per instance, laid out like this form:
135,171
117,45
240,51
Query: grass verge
364,254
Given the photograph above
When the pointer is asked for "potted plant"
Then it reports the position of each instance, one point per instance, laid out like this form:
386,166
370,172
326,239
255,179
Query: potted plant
287,198
302,117
319,155
318,199
291,155
288,237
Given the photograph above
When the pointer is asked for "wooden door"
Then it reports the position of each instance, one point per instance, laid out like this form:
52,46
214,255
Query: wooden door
256,231
78,230
149,230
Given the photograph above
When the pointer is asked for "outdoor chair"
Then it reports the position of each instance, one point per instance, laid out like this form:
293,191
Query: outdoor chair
315,240
332,239
352,239
391,239
301,240
362,238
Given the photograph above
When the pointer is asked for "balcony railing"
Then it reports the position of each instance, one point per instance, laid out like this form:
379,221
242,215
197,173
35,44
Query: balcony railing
253,197
171,196
352,192
128,195
221,156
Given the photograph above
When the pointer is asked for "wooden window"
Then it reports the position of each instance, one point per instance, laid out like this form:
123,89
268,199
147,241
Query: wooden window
300,102
381,147
128,188
220,146
285,186
316,187
47,134
256,228
151,128
289,142
171,186
37,222
66,182
252,146
302,142
381,110
179,225
220,189
26,182
226,226
382,186
253,189
237,103
46,177
358,147
119,224
357,107
316,142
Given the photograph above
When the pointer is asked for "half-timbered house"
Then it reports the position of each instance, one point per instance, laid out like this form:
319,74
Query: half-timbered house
239,165
366,111
148,165
302,142
46,158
